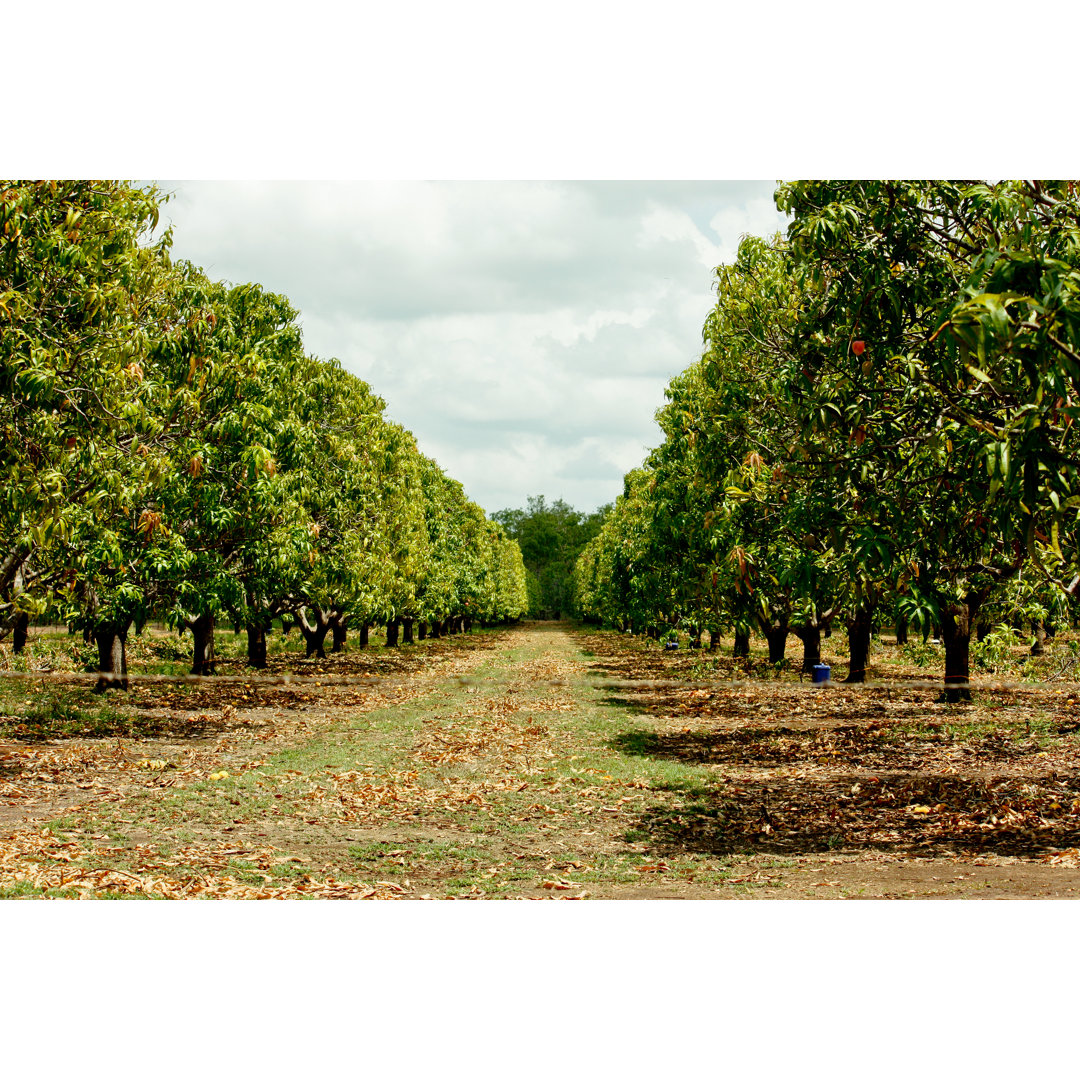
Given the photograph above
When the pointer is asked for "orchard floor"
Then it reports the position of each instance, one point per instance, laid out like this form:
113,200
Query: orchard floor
540,761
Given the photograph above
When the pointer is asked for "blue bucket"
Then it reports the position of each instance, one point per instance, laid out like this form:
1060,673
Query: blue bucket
821,673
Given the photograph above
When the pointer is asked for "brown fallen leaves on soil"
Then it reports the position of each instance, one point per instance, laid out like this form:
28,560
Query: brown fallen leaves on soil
799,769
778,769
500,732
212,740
45,861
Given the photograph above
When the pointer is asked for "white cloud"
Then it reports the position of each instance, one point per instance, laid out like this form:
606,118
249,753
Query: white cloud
524,331
755,217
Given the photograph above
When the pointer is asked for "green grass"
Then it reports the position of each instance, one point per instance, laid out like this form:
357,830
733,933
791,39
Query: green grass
35,711
23,890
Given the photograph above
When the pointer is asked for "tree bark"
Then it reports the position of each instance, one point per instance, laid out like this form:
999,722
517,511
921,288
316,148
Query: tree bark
421,630
340,629
406,631
112,657
314,633
742,644
20,632
901,632
203,655
958,621
859,629
256,648
776,634
365,630
695,637
392,628
810,636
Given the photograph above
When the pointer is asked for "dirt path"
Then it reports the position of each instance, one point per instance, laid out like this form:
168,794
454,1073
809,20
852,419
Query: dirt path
536,762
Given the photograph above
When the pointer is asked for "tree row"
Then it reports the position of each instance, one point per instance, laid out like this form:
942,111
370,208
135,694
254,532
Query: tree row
881,428
171,451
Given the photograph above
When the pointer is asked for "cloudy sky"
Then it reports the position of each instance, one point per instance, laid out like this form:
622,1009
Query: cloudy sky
523,331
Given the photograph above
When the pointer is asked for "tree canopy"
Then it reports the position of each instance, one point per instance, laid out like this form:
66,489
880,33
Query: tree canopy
881,424
170,450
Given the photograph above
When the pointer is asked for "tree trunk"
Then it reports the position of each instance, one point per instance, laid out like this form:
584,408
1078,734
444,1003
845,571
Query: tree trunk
340,629
436,628
695,637
776,634
1038,647
407,631
810,636
365,630
859,629
466,626
20,632
315,633
392,628
901,631
421,630
112,657
742,644
256,650
714,640
203,655
958,620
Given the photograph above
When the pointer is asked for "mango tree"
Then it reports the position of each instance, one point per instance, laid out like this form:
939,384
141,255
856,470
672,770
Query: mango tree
83,290
894,372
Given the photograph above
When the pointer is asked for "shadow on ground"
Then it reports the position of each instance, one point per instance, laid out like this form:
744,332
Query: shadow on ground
790,772
865,798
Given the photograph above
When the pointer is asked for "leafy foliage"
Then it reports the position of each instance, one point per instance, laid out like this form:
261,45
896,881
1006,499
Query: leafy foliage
881,422
171,451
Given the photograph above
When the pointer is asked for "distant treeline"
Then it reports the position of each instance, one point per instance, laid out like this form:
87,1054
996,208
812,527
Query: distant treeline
551,537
